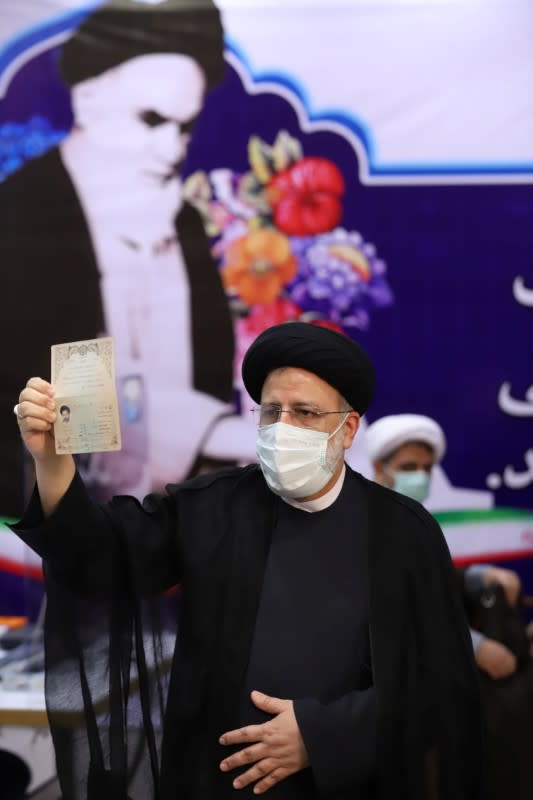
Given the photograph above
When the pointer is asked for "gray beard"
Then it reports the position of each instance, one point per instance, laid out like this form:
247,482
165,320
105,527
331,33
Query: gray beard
335,451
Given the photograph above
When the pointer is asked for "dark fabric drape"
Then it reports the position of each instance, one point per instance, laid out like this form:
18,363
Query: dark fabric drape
133,688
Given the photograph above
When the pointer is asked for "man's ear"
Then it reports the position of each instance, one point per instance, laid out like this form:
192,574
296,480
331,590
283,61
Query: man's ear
351,426
380,475
84,94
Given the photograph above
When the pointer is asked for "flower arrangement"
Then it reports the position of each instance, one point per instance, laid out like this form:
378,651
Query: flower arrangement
281,251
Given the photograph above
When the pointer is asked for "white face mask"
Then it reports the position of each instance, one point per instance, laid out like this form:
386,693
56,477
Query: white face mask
415,485
294,460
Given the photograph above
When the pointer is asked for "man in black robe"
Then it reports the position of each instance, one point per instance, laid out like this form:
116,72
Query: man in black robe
321,650
404,448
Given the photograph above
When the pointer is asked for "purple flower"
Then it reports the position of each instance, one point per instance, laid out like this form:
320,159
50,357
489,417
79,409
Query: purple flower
340,277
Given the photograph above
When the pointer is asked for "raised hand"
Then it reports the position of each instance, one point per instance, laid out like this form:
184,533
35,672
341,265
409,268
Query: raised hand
507,579
35,416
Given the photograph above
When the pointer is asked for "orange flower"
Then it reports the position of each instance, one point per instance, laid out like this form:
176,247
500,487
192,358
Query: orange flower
258,265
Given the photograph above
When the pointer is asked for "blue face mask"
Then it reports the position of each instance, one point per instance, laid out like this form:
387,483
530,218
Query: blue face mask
413,484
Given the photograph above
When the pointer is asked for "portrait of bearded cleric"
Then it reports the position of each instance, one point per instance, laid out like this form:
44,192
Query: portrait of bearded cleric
99,240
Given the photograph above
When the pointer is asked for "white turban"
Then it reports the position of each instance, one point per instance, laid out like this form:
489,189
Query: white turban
385,435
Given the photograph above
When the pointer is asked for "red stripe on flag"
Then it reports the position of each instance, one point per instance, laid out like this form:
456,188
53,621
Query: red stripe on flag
22,570
484,558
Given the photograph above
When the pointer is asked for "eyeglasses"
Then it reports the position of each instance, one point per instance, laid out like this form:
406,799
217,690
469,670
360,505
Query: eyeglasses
302,416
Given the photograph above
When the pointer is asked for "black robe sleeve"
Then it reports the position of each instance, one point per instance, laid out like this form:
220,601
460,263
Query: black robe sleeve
110,634
84,555
431,743
128,662
340,739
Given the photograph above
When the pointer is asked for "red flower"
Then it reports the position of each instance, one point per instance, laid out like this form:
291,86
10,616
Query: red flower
306,198
263,317
325,323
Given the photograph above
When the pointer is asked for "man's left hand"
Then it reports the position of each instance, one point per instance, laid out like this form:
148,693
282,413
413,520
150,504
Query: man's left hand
275,749
507,579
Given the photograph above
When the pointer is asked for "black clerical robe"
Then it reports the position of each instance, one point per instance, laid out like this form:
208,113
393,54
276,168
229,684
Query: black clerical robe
397,714
311,644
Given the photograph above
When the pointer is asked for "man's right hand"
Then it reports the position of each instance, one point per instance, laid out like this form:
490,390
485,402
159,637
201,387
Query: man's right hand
36,416
507,579
495,659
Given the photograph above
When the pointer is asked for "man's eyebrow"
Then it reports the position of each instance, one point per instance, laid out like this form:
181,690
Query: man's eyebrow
296,404
153,118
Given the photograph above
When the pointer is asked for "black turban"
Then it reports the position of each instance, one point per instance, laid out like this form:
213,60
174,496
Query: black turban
333,357
123,29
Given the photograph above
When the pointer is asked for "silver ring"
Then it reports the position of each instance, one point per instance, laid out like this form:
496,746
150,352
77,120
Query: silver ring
16,411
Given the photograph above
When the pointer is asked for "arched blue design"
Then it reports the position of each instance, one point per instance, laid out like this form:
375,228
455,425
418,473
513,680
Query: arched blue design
350,121
64,22
361,130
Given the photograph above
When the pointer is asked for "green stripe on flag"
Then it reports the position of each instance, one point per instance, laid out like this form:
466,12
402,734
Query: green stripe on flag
483,515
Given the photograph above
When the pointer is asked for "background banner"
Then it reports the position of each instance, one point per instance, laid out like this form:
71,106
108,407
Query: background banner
182,180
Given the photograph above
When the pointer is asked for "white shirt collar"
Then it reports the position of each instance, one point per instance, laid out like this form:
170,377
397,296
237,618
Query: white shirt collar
322,502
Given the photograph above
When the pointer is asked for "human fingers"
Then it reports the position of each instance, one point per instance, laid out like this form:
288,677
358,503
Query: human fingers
250,733
30,425
506,665
486,656
271,779
248,755
40,385
272,705
496,659
38,398
512,587
29,413
508,580
258,772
